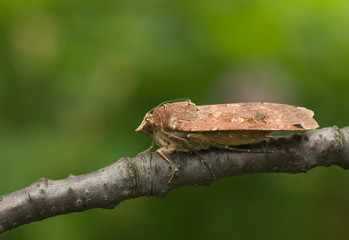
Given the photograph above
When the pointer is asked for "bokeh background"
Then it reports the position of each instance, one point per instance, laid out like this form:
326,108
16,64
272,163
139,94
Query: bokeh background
77,77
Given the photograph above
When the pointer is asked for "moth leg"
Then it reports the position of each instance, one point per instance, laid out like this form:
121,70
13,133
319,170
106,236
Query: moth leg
150,148
205,164
234,149
161,152
185,143
226,147
271,136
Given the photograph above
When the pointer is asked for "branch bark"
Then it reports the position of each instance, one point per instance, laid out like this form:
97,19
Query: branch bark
147,175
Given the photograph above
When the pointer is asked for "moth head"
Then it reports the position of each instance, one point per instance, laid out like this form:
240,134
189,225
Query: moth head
146,126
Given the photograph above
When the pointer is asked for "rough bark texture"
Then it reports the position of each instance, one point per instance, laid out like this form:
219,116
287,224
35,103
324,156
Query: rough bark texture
147,174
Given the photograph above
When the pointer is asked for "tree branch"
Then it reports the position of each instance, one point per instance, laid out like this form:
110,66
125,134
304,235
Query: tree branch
147,175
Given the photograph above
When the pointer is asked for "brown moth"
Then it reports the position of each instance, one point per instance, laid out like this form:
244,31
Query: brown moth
184,126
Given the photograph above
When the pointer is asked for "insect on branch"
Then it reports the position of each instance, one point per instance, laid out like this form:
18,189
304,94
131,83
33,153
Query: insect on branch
184,126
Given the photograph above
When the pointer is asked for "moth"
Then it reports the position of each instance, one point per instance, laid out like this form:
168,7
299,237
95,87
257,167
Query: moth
184,126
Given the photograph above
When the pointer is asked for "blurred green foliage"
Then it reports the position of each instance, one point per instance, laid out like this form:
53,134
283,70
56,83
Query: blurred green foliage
76,78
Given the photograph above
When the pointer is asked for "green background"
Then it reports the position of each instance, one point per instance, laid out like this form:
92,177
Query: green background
77,77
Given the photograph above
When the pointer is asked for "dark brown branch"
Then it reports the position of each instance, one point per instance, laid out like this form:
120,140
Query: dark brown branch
147,174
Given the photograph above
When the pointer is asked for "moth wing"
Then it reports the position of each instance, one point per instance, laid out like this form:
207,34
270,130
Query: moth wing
184,116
